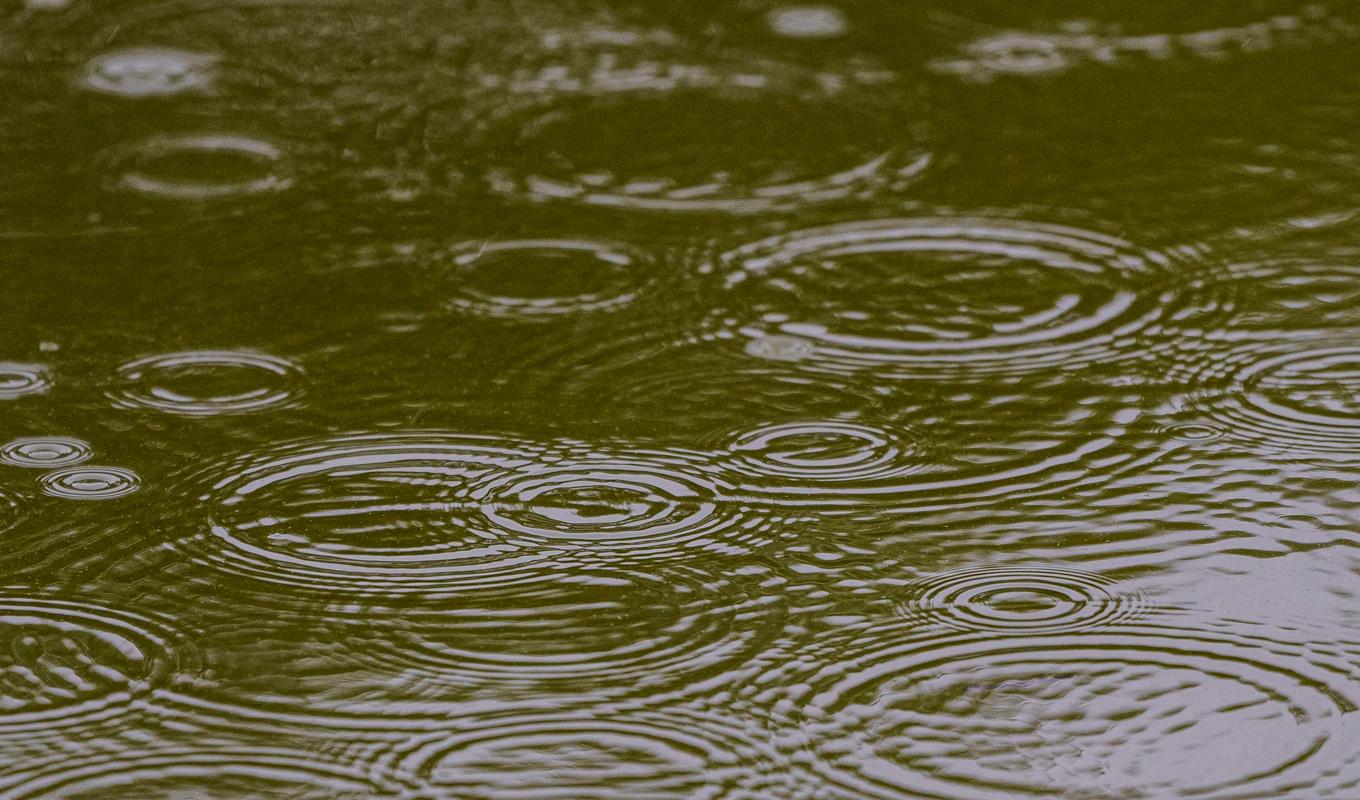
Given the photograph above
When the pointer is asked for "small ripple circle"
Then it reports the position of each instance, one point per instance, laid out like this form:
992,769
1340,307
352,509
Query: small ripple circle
21,380
1193,431
606,504
90,483
1020,599
823,451
200,383
45,452
679,754
140,72
200,167
535,279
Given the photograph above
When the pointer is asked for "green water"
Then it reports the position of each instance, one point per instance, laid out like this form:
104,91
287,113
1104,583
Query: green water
698,401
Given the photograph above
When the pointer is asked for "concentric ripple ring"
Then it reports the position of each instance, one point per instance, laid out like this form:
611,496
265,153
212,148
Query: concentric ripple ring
1305,400
823,451
247,167
590,756
89,482
66,662
45,452
180,772
21,380
606,122
937,305
1020,599
628,504
384,514
148,72
631,634
1120,711
237,382
610,272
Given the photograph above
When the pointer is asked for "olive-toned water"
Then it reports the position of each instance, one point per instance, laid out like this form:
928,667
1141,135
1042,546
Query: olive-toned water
711,400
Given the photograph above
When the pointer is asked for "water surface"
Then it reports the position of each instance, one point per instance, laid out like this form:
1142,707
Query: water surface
620,399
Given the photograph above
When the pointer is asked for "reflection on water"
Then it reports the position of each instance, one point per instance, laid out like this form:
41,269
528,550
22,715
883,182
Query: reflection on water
774,401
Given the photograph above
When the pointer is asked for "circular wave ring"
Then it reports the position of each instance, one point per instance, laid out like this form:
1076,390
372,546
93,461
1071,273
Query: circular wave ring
45,452
193,772
1305,400
1020,599
383,514
66,663
824,451
141,72
633,635
200,167
608,505
21,380
89,482
1120,711
610,272
592,756
946,295
234,382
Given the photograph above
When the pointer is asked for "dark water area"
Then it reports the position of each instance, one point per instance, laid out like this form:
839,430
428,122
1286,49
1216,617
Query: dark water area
679,401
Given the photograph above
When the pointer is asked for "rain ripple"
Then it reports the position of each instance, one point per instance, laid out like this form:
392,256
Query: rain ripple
200,383
638,635
67,663
1268,301
22,380
381,513
189,773
1083,42
947,454
437,514
89,482
593,756
1303,401
637,504
951,295
45,452
825,451
519,279
625,120
199,167
142,72
1020,599
1118,710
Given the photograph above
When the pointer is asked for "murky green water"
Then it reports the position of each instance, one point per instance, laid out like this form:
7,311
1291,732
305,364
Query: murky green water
712,400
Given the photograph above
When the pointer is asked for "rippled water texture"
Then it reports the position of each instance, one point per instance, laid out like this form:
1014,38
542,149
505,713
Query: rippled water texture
856,400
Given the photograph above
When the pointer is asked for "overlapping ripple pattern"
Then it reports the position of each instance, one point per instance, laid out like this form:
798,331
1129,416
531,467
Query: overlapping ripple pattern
71,663
760,400
1129,709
